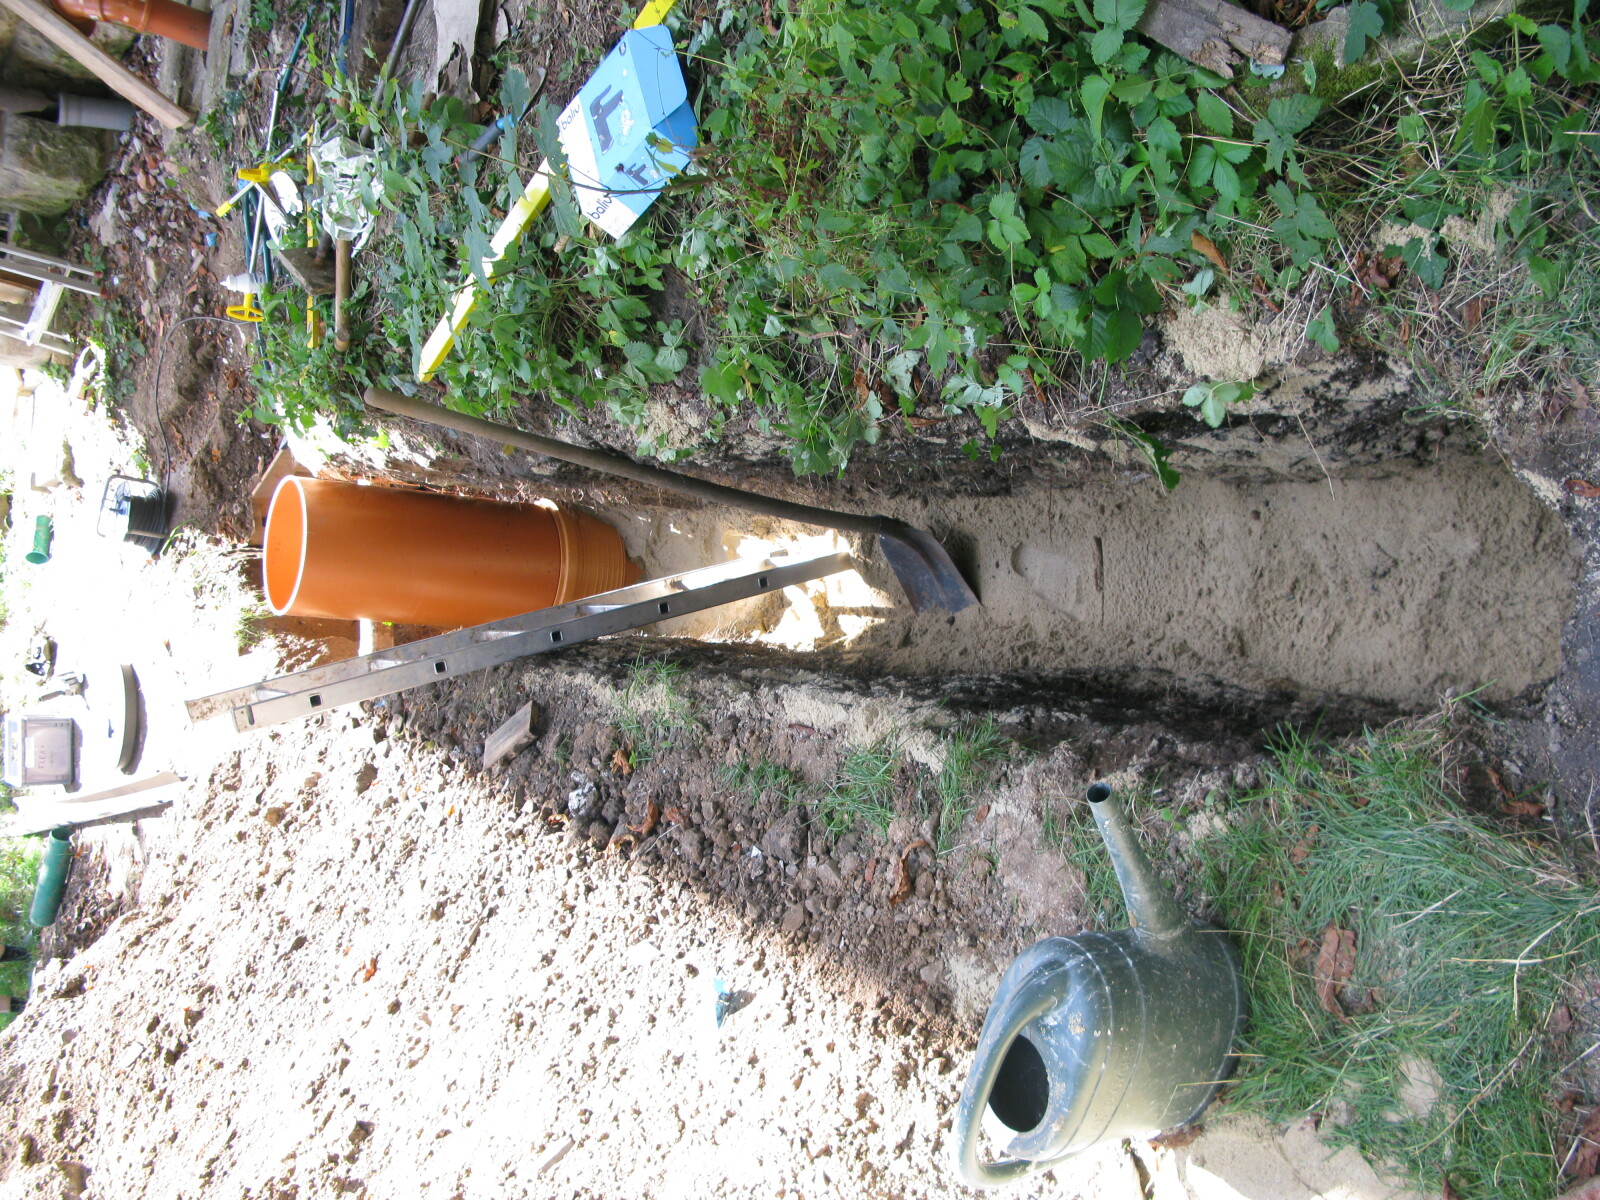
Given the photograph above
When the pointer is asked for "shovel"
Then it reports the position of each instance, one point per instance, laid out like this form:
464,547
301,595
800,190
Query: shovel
926,573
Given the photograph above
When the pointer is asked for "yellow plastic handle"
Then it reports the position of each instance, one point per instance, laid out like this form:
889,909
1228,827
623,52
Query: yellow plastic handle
246,310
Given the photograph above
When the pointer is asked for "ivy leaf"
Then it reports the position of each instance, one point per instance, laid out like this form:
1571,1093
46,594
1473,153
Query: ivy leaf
1214,113
1366,21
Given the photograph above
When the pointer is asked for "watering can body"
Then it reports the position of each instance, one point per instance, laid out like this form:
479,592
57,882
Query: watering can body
1103,1036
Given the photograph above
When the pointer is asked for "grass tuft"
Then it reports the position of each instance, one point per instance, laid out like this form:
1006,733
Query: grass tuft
1465,938
651,711
969,756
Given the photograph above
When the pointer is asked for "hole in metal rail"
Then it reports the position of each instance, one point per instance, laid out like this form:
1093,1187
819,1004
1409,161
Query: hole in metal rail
316,702
664,607
761,581
555,635
439,667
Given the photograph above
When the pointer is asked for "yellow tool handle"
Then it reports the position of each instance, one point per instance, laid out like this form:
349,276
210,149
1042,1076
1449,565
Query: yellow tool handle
535,197
533,201
246,310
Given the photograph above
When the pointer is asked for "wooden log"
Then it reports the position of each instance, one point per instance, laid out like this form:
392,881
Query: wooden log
1212,33
511,738
116,76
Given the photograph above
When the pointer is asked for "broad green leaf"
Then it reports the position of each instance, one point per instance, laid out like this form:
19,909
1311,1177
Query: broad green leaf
1320,330
1546,275
837,278
1051,114
1094,91
1104,45
967,228
1032,24
1154,451
1366,22
1557,43
1162,135
1214,113
1291,114
957,88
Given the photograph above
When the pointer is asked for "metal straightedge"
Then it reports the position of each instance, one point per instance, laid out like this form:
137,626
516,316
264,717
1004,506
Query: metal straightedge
407,666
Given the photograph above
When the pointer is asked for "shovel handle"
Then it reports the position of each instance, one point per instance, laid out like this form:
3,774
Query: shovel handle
619,464
341,295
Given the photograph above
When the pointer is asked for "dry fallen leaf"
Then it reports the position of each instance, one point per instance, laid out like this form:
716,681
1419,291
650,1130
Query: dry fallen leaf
1301,849
620,763
1522,808
1582,489
1336,961
674,816
1499,783
1446,1192
1586,1155
1206,246
1472,313
900,881
1173,1138
981,814
1560,1019
652,814
370,969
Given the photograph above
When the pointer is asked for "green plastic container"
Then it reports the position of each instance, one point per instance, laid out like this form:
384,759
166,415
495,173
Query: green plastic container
42,533
1102,1036
52,878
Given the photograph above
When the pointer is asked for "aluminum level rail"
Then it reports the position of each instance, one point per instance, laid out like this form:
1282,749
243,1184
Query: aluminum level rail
432,659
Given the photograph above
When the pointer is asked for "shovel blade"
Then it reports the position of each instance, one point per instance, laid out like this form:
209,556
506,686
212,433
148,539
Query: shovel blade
926,572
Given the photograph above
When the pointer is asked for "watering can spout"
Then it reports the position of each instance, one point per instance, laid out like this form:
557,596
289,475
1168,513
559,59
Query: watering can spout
1151,909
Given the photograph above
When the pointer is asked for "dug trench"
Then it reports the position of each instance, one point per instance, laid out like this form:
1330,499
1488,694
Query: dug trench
539,1020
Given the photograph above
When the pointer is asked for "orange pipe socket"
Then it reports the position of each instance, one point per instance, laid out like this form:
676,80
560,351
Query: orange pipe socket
344,550
160,17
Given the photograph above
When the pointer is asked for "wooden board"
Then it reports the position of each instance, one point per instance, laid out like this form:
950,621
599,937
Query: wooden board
1213,34
511,738
116,76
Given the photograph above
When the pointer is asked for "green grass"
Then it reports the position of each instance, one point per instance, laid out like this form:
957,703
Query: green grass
863,790
758,778
1068,826
1466,935
969,757
651,710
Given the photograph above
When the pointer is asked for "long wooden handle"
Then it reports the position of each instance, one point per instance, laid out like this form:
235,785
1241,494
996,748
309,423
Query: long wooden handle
341,295
618,464
121,80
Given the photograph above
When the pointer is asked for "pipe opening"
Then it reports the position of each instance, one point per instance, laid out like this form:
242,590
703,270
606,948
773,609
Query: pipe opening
1099,793
1021,1092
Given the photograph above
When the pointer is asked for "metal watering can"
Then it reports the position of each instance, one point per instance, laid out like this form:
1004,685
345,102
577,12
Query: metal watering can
1104,1035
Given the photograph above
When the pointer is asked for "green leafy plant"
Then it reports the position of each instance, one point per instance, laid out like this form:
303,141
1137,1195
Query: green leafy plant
652,712
863,790
1212,399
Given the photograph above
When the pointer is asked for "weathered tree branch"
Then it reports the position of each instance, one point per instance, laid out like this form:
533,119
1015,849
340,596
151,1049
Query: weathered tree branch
1214,34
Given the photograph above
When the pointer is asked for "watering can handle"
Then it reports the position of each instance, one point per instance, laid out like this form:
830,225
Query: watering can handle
1036,998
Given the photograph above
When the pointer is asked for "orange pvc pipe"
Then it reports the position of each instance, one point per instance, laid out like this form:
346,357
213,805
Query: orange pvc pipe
344,550
163,18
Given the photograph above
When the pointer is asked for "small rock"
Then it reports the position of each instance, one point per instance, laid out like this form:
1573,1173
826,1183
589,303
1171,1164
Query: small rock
599,833
828,876
793,919
850,865
580,800
365,774
690,843
782,838
932,973
274,815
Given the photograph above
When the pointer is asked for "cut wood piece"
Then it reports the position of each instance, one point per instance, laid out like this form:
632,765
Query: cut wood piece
511,738
1213,34
121,80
